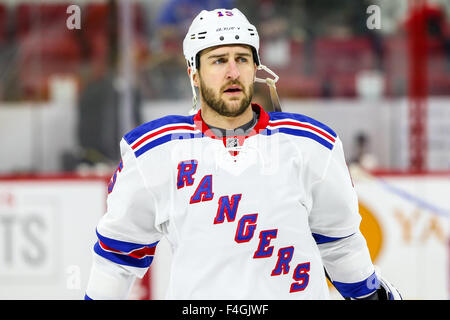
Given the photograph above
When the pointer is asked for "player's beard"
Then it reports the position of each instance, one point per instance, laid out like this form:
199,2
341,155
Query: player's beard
222,107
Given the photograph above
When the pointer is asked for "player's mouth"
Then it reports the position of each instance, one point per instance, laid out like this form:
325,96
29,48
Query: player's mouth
233,90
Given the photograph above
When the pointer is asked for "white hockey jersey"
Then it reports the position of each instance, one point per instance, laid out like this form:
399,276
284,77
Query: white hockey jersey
247,217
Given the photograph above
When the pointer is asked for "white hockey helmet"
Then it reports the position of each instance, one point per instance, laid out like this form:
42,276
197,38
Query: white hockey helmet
221,27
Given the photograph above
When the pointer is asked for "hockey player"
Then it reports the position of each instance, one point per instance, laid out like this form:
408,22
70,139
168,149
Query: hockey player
255,205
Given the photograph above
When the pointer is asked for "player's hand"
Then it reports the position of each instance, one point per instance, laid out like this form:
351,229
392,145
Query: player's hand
387,291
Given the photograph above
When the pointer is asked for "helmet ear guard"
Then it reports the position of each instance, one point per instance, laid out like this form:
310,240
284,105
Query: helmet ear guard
222,27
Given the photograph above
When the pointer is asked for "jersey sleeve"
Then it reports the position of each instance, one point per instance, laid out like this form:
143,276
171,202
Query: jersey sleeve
334,210
127,233
334,222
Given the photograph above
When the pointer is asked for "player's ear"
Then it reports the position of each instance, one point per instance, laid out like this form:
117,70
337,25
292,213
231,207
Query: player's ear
189,71
195,76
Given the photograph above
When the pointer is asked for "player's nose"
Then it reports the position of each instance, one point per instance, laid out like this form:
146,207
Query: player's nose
232,70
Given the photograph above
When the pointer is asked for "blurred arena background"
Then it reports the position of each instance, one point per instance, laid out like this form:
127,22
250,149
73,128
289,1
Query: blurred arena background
74,79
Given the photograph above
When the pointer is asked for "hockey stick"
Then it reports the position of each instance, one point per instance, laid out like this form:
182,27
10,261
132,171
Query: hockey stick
273,89
274,95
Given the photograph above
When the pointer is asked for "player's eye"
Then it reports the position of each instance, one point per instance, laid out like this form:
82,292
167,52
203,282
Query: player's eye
219,61
242,59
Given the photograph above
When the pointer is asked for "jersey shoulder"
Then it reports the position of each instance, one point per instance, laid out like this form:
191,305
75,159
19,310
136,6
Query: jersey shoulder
300,125
159,131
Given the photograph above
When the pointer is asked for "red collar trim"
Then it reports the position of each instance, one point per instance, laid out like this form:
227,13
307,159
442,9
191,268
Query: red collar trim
262,123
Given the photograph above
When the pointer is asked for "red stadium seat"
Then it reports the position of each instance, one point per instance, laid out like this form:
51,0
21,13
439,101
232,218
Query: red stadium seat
95,18
97,15
293,82
44,16
3,22
43,54
299,86
338,61
439,84
346,56
395,64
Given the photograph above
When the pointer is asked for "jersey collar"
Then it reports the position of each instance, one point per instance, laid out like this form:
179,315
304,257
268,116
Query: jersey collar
262,123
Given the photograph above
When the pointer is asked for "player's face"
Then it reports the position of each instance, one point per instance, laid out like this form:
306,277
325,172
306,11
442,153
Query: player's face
226,79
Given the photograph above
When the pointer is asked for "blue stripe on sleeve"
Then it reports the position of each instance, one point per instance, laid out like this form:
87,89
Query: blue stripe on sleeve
319,238
123,246
123,259
357,289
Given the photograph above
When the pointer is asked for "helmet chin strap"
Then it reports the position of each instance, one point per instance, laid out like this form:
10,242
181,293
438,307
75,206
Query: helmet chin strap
194,108
270,82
